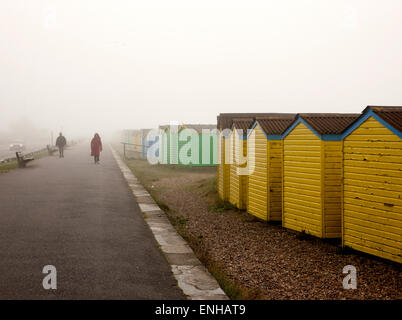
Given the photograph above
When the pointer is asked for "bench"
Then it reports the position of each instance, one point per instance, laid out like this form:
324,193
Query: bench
22,161
50,150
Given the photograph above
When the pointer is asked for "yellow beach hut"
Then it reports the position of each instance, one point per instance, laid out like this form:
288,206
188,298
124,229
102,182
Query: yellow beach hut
372,189
265,156
223,167
224,125
238,168
312,173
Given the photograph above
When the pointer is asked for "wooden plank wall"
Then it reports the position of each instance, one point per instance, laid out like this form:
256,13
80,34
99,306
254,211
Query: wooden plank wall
302,203
226,168
332,177
275,163
234,178
372,191
258,180
220,166
238,183
244,179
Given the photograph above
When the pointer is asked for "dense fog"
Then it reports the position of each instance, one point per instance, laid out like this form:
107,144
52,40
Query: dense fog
98,66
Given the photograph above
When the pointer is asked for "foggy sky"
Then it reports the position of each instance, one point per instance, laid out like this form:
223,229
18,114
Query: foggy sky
99,65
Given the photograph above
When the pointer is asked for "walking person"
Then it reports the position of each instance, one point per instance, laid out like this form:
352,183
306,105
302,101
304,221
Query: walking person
61,143
96,147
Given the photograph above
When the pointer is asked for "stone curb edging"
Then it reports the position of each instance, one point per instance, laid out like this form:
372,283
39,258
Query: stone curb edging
192,277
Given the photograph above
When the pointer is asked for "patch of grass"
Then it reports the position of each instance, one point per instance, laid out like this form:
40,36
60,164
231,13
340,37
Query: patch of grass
221,206
162,204
181,221
148,173
208,186
5,167
233,290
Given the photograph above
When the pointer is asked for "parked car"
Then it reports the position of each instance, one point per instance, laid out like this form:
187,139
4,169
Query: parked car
17,146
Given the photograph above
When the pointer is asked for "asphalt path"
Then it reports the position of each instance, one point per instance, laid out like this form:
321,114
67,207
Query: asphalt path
82,219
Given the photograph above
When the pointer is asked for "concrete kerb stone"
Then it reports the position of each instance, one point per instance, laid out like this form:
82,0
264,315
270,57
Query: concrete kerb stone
144,198
145,207
139,190
141,194
182,259
156,213
135,186
195,281
192,277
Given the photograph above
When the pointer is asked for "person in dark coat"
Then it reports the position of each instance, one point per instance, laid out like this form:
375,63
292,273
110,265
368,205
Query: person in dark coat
96,147
61,143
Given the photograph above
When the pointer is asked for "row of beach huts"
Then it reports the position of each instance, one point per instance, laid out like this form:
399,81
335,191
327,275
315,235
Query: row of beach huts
184,144
326,174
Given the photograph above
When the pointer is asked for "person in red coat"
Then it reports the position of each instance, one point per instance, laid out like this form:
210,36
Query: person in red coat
96,147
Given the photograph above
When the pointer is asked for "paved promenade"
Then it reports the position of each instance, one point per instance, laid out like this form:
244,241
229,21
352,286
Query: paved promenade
83,219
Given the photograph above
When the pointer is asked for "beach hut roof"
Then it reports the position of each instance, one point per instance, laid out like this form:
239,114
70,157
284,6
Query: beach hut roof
391,115
329,123
276,124
225,120
243,124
